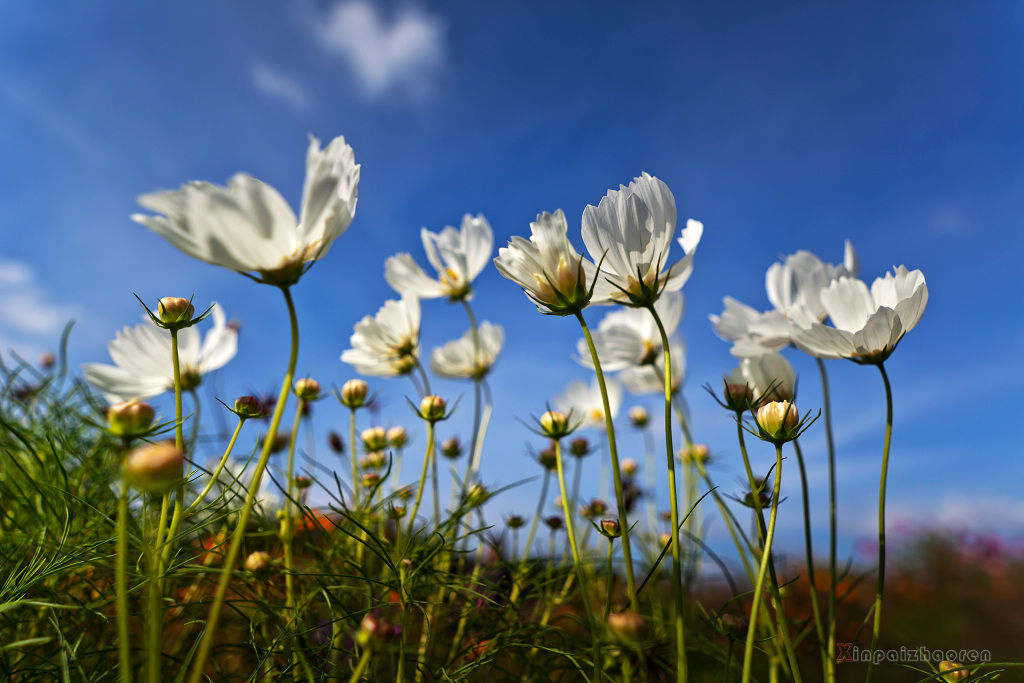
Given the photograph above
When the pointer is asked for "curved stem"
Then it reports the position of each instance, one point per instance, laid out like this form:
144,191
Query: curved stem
677,569
423,476
809,552
364,661
288,522
584,593
830,656
216,473
766,553
353,458
517,588
880,588
123,637
238,537
620,502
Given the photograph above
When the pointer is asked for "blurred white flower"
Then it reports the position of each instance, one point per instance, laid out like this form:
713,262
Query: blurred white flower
650,379
629,337
460,359
794,287
458,256
143,366
867,324
631,230
759,373
552,274
583,402
387,344
248,227
234,481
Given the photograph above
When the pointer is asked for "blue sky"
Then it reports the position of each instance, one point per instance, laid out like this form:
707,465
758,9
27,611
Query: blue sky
783,128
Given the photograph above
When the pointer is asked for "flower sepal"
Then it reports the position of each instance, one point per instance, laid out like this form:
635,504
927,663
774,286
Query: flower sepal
175,313
779,422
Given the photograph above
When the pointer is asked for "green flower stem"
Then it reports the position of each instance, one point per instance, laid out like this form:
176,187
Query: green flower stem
238,537
423,476
830,656
216,473
517,588
677,569
584,593
880,588
766,553
610,579
156,606
620,502
123,636
650,482
364,661
810,559
352,456
288,522
194,438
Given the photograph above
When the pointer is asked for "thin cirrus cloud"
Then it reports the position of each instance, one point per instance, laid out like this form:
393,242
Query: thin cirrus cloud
29,320
280,86
387,55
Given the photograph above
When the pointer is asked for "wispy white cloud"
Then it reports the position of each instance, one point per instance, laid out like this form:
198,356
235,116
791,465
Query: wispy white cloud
960,511
280,86
29,319
401,54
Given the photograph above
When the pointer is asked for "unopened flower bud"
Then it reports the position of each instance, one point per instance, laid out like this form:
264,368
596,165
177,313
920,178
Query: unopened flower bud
610,528
953,672
396,511
476,495
374,439
638,416
398,437
155,467
451,448
697,453
404,493
554,424
594,508
247,407
627,628
664,538
258,562
778,420
47,360
432,408
335,443
307,389
174,309
514,521
375,631
548,458
353,393
373,461
303,482
737,396
281,441
371,479
629,467
579,447
732,625
130,418
554,522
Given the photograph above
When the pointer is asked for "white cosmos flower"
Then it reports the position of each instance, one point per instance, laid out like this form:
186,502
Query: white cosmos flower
794,287
458,256
868,324
766,370
650,379
387,344
143,366
631,230
249,227
552,274
583,402
460,359
629,337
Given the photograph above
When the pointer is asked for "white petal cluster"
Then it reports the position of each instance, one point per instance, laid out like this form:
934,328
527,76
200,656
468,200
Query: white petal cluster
143,366
629,337
868,324
583,402
629,233
460,359
458,256
553,274
387,344
650,379
794,287
248,227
